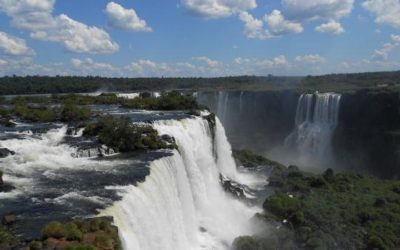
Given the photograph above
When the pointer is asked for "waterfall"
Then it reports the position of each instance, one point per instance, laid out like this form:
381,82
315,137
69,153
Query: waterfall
181,204
222,106
316,119
241,102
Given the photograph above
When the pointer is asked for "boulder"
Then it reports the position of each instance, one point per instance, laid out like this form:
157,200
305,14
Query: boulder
9,219
99,151
168,139
4,152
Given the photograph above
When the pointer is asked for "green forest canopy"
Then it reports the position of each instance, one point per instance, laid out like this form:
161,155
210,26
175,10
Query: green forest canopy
13,85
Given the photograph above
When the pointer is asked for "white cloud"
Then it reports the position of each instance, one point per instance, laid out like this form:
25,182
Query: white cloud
386,11
211,63
278,61
29,14
14,46
36,17
77,37
240,60
89,63
253,27
384,52
149,68
315,9
331,27
311,58
395,38
125,19
218,8
279,26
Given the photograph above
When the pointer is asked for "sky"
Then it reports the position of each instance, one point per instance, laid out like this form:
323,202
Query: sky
207,38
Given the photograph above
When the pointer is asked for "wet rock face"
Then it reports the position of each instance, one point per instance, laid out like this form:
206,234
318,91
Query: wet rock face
258,121
4,152
368,134
95,151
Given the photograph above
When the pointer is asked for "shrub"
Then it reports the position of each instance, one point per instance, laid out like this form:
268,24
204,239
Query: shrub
54,230
282,205
40,114
72,232
77,246
72,112
35,245
122,135
246,243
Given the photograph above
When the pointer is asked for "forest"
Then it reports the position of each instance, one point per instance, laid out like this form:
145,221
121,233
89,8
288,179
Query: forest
15,85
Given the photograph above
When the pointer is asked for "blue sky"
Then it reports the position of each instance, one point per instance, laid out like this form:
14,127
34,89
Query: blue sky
198,37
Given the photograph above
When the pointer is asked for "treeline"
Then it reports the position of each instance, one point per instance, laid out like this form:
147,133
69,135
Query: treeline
16,85
356,80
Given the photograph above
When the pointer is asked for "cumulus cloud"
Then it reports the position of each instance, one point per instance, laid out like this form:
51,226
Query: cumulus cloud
125,19
384,52
29,14
315,9
331,27
211,63
36,17
14,46
279,26
218,8
149,68
253,27
311,58
386,11
89,63
395,38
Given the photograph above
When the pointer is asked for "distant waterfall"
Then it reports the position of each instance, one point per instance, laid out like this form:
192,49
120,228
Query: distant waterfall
316,119
222,106
181,205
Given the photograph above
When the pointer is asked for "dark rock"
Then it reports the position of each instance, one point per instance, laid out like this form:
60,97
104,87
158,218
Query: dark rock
5,188
6,122
9,219
169,139
233,187
4,152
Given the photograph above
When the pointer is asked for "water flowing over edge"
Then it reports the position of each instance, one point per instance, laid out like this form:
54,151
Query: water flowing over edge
182,205
316,119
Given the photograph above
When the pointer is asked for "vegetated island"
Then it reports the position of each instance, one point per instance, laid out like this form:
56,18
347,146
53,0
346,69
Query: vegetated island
324,211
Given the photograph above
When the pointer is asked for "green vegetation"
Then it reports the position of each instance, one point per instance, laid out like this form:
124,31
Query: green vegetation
13,85
122,135
90,234
172,100
72,112
248,159
381,81
329,211
7,239
34,114
42,84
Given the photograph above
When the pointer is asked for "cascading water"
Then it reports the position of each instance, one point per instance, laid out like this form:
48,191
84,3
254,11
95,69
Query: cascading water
222,107
316,120
181,205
